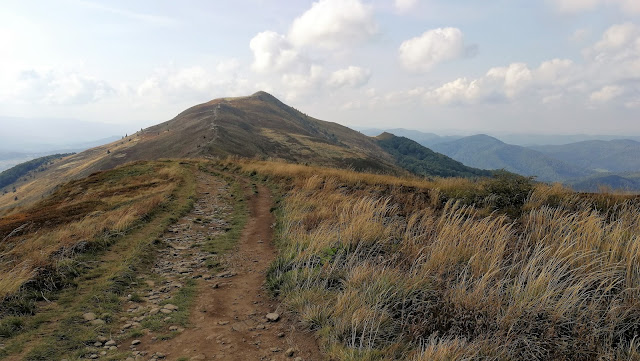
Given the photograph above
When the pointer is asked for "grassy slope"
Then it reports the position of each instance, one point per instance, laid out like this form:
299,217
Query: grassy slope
384,268
144,205
42,320
423,161
254,126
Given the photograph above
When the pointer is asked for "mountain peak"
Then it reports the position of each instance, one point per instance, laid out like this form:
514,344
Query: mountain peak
485,138
385,135
264,96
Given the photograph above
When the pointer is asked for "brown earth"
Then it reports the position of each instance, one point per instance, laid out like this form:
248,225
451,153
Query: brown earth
228,317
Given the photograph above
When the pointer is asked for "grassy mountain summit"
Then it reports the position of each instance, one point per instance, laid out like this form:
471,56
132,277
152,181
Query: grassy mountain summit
255,126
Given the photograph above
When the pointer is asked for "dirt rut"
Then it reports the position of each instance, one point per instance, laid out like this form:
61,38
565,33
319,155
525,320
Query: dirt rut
228,319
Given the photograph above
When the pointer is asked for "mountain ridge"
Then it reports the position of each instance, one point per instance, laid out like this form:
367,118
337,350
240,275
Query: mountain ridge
254,126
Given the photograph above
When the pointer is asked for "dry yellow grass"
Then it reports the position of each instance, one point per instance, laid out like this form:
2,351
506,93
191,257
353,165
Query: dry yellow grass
78,215
405,268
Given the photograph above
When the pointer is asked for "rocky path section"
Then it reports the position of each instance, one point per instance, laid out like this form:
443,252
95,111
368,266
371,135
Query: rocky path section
231,317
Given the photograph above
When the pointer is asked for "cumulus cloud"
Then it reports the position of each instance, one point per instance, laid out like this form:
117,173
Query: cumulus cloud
353,77
548,81
461,90
610,72
616,56
272,52
435,46
299,84
514,78
404,5
55,87
333,23
195,83
297,60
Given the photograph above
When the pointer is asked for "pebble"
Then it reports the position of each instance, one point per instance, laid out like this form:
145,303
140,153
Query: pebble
89,316
135,342
272,317
290,351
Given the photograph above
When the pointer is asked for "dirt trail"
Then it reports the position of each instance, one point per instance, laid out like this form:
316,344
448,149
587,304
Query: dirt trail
228,319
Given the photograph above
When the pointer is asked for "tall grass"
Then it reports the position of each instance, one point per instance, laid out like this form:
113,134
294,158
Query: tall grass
389,268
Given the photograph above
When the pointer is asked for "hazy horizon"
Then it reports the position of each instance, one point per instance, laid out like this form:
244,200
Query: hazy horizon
549,67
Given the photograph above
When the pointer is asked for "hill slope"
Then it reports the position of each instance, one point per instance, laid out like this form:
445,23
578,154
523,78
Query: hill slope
423,161
621,155
483,151
256,126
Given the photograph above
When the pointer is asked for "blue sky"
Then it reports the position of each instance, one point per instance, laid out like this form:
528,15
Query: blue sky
548,66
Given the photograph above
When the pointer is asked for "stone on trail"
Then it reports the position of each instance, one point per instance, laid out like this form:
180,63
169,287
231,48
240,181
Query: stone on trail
290,351
273,317
135,342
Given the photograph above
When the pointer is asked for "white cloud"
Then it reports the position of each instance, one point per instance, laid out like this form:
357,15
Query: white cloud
272,52
555,72
618,36
606,94
333,24
404,5
461,90
353,76
435,46
55,87
300,84
193,84
515,78
610,72
616,57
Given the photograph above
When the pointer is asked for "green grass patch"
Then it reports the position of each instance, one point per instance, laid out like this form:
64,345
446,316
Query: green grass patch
99,283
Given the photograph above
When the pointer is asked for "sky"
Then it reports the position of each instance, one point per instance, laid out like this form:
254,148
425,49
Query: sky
445,66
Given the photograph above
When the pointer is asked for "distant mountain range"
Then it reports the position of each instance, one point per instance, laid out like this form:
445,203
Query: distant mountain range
585,165
483,151
603,156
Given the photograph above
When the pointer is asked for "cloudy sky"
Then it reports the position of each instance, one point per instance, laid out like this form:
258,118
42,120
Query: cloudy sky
537,66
